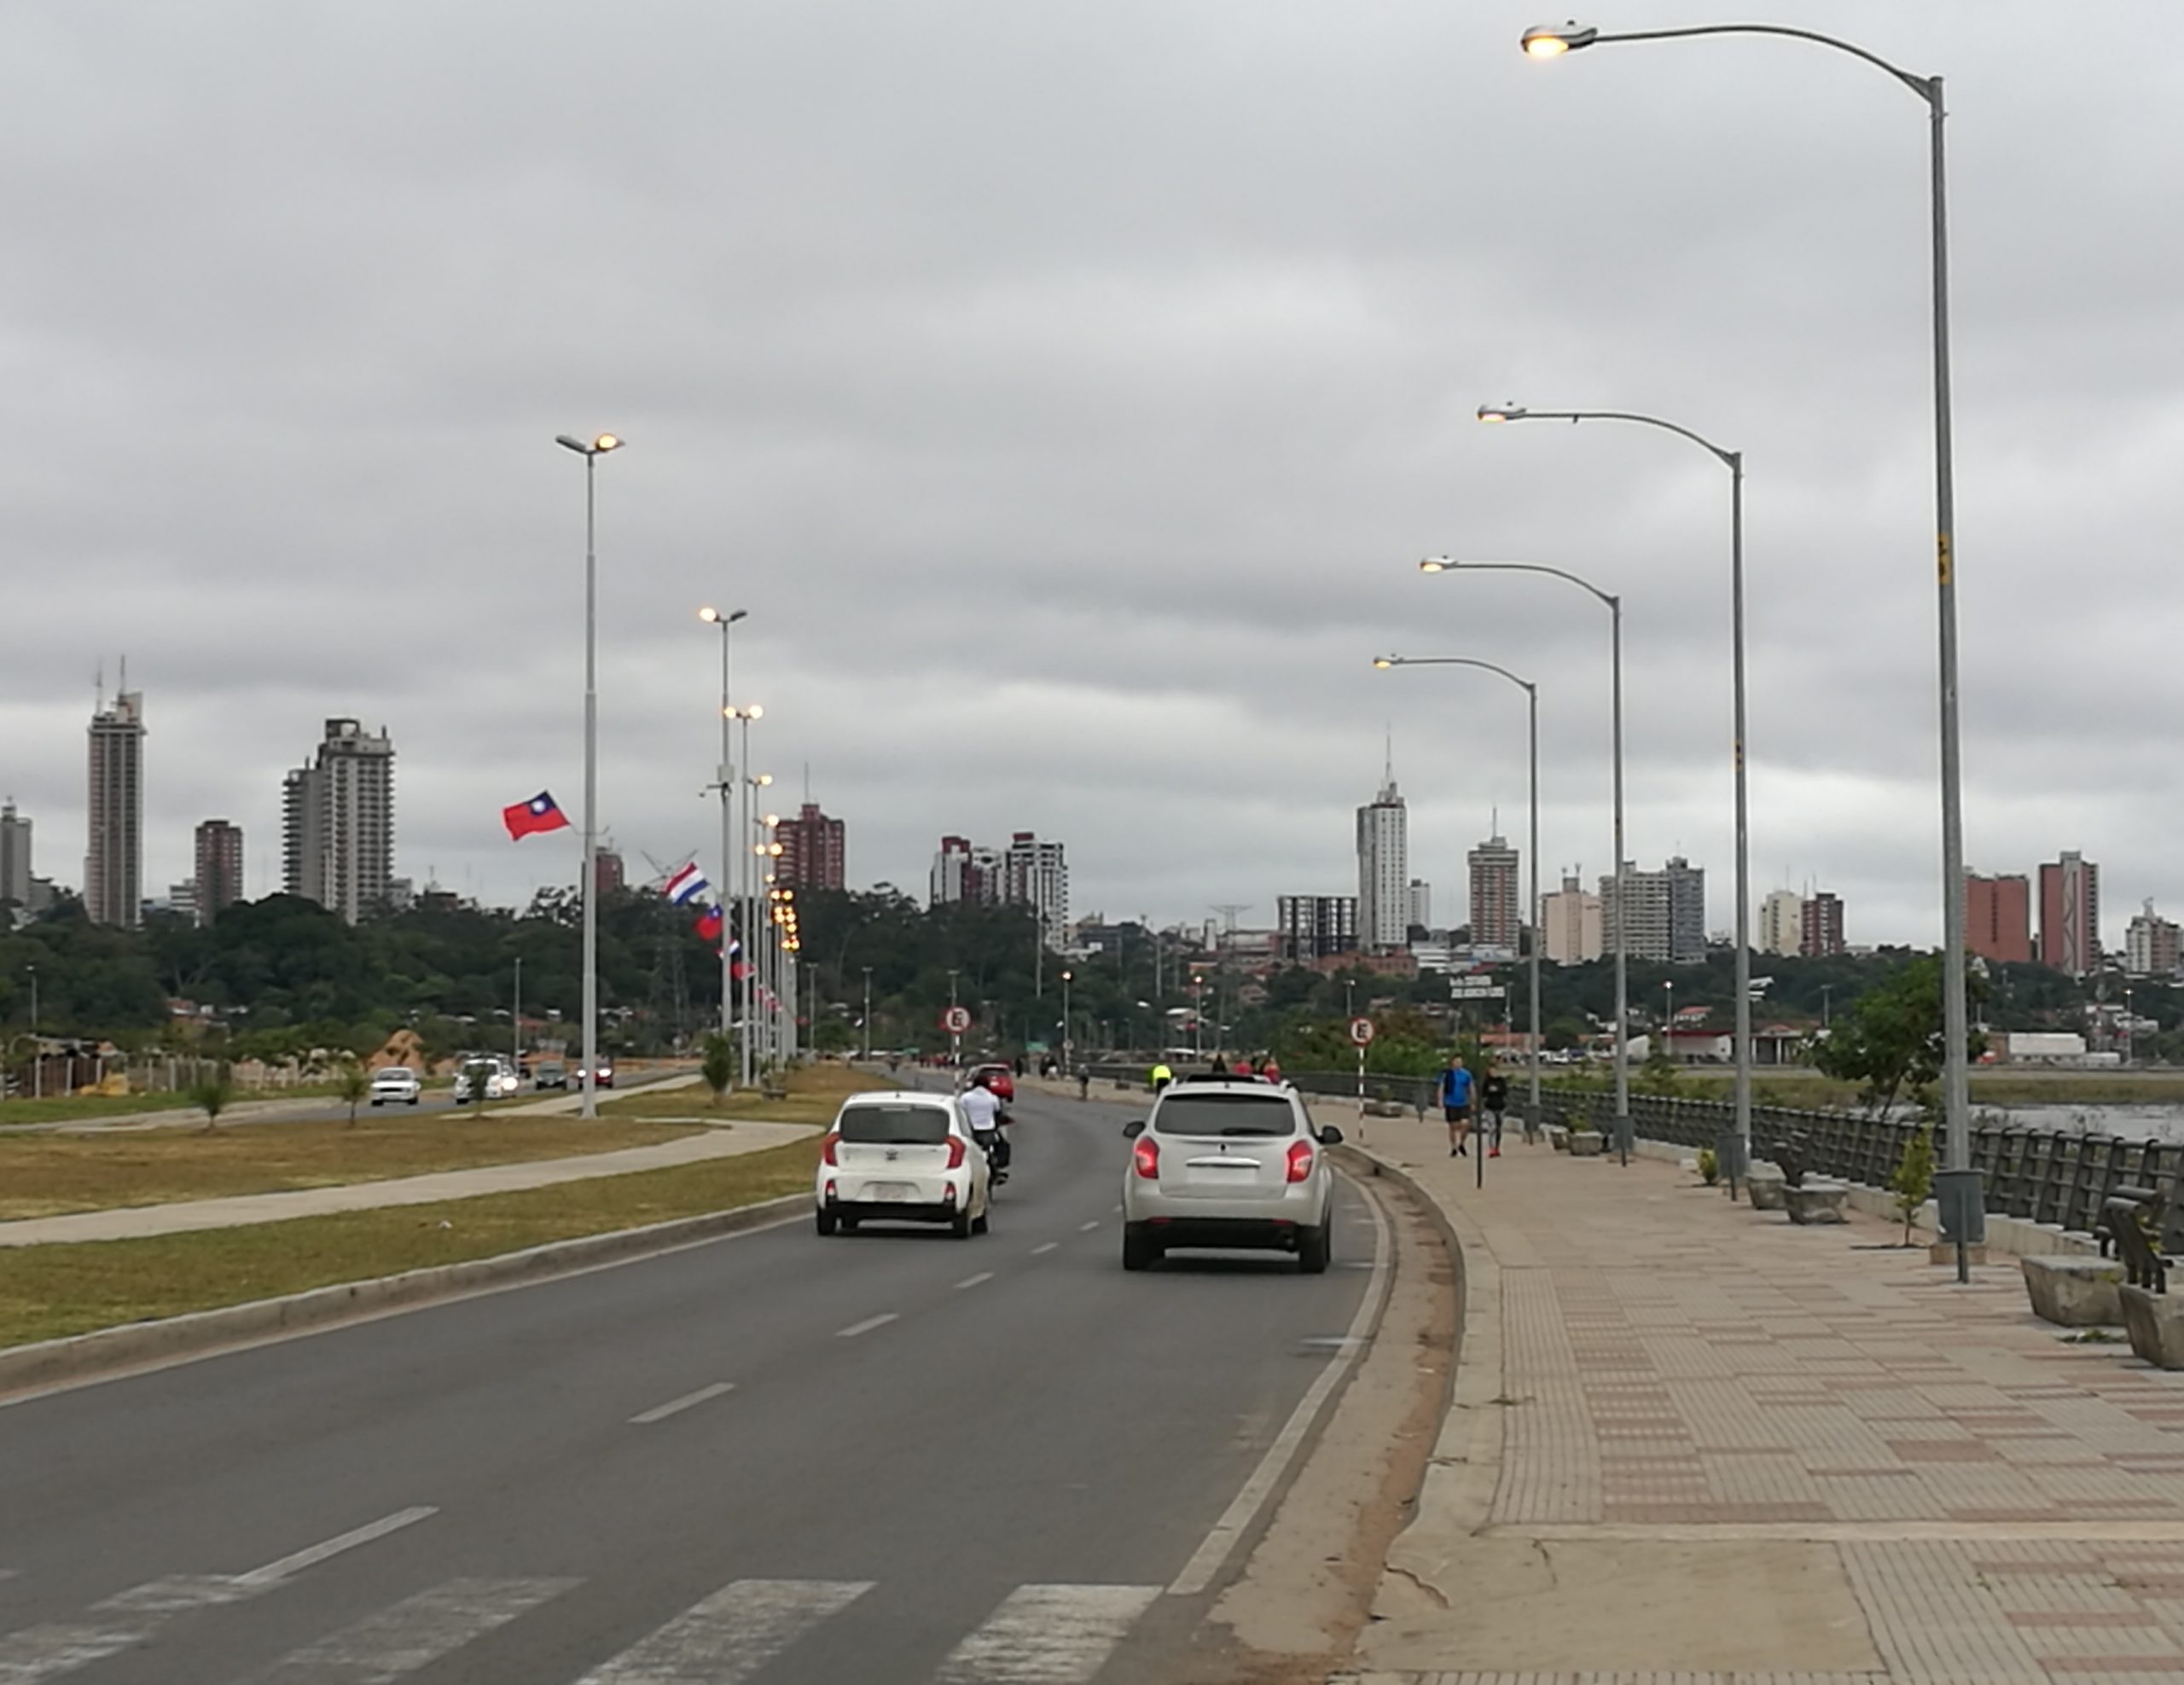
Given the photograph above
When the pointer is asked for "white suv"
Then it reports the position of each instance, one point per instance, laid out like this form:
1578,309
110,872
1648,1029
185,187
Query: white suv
1233,1163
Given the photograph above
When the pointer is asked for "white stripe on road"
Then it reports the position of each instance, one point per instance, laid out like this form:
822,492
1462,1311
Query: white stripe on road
1046,1634
311,1555
866,1326
41,1652
1235,1520
674,1406
414,1633
1087,1227
731,1634
1048,1247
973,1281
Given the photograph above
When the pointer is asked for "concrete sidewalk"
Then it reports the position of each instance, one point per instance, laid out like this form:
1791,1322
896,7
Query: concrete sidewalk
721,1140
1691,1443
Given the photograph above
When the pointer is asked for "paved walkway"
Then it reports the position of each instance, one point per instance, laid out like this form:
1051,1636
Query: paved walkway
1691,1443
722,1140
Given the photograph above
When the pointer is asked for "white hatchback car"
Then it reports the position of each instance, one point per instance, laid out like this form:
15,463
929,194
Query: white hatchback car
902,1156
1229,1164
396,1085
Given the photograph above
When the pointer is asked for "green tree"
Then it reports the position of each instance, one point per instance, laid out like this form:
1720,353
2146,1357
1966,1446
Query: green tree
1913,1183
213,1096
1659,1075
1891,1039
719,1065
351,1084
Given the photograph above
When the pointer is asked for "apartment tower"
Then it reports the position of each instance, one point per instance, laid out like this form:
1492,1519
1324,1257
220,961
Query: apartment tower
338,821
219,868
113,862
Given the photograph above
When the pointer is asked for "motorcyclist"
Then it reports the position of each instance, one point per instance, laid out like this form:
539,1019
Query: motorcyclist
982,1110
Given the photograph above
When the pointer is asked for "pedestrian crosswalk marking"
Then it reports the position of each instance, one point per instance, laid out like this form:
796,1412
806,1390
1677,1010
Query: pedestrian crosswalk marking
38,1653
729,1636
417,1631
1046,1634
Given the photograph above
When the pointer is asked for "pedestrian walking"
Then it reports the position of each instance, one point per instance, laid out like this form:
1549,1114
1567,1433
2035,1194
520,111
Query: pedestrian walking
1493,1102
1456,1104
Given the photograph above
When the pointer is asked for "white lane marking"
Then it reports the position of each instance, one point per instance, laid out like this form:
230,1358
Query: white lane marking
1087,1227
1236,1520
973,1281
1048,1247
414,1633
1046,1634
311,1555
37,1654
866,1326
1119,1210
731,1636
676,1406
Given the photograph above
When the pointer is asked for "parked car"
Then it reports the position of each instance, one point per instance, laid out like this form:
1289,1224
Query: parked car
396,1085
550,1074
1229,1164
902,1156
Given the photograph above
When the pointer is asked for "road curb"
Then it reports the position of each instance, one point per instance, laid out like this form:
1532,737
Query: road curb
105,1351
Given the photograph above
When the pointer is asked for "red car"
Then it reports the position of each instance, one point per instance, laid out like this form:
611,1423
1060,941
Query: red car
999,1078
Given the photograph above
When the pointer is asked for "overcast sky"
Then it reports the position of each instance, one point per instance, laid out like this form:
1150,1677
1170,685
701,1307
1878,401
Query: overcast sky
1068,391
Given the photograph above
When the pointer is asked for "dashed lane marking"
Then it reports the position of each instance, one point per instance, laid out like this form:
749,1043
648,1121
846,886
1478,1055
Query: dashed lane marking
867,1325
973,1281
676,1406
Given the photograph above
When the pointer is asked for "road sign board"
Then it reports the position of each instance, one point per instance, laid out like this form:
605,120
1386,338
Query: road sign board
1361,1031
955,1021
1476,991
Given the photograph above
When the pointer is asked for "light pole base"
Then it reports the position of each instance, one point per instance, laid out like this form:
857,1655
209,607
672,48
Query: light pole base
1729,1158
1961,1203
1626,1137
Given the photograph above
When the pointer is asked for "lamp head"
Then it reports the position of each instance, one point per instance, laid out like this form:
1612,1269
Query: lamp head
598,447
1503,412
1544,41
1437,564
1385,660
754,711
709,615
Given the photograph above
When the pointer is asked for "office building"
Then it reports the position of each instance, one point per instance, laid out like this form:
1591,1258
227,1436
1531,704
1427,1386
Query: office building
220,868
609,871
2070,914
1667,915
1781,923
813,850
1497,915
181,902
14,865
1310,927
113,862
1036,874
337,822
1571,931
954,878
1421,904
1821,924
1383,870
1998,918
2152,946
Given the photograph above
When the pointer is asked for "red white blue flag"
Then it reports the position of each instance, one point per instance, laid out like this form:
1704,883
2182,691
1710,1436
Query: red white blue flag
687,885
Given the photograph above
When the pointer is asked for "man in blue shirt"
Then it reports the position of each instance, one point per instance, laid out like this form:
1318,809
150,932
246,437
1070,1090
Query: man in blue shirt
1455,1102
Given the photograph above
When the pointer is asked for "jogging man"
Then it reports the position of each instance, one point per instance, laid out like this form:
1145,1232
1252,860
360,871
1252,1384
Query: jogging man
1455,1103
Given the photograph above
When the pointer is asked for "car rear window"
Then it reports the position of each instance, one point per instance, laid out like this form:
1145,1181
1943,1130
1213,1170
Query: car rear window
894,1125
397,1073
1216,1114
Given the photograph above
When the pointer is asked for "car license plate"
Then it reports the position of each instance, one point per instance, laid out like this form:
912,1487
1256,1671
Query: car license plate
893,1191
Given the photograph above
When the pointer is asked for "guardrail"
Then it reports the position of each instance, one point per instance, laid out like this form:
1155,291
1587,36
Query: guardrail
2058,1176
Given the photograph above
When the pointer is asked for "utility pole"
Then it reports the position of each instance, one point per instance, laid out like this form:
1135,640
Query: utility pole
867,1013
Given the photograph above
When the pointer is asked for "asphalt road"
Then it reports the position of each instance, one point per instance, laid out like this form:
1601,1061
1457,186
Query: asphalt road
889,1457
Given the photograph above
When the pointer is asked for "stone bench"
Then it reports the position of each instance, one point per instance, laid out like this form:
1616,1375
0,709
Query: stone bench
1385,1108
1766,1186
773,1087
2155,1323
1558,1137
1819,1199
2075,1292
1586,1143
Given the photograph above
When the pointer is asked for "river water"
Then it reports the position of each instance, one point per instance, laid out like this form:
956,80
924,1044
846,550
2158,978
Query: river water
2132,1122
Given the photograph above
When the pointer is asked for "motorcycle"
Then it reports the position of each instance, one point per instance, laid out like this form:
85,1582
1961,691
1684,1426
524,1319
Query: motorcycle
996,1143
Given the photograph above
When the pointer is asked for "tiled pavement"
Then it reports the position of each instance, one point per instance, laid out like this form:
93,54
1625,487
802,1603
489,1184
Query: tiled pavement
1725,1445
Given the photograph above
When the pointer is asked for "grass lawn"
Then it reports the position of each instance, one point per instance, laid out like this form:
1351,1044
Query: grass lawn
49,1291
816,1092
71,1108
48,1174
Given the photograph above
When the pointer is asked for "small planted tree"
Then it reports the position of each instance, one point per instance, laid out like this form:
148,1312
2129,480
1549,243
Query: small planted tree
1710,1166
718,1066
1913,1183
479,1074
353,1084
212,1095
1657,1075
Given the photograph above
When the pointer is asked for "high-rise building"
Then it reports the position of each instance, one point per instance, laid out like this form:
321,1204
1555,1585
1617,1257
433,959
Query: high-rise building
2070,914
1782,922
337,822
1667,916
1383,870
15,864
1569,924
1315,926
1820,925
1036,874
113,864
182,902
951,877
813,854
2152,946
1497,907
1421,904
1998,918
609,871
220,868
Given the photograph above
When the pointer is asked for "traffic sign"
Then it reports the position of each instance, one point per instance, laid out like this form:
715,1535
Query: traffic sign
955,1021
1468,990
1361,1031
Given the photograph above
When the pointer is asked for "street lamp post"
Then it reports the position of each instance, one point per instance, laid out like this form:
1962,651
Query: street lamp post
37,1055
1531,916
746,936
724,781
1733,462
1442,564
1963,1210
1065,1064
591,452
515,1018
867,1037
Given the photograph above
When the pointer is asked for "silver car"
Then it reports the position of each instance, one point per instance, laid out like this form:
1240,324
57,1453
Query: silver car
1229,1164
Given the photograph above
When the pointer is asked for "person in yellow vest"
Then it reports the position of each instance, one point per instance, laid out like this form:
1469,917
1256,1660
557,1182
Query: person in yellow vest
1160,1076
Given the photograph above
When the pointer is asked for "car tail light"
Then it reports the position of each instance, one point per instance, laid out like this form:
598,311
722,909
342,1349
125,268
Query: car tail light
1145,1157
826,1148
830,1189
948,1191
1300,1160
954,1152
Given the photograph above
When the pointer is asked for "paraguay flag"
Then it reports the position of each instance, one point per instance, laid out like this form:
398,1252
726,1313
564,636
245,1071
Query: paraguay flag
527,818
687,885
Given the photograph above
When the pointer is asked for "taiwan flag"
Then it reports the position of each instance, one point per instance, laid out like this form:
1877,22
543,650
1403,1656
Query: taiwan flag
528,818
711,925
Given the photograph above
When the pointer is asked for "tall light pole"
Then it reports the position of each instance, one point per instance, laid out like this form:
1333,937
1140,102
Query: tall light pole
1066,976
1531,916
515,1017
1613,604
1733,462
724,781
868,1013
591,452
1962,1206
37,1054
746,936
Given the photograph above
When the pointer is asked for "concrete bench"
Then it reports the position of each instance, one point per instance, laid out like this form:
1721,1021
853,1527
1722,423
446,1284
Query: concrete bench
1765,1184
774,1086
2073,1291
1558,1137
1586,1143
2155,1323
1817,1200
